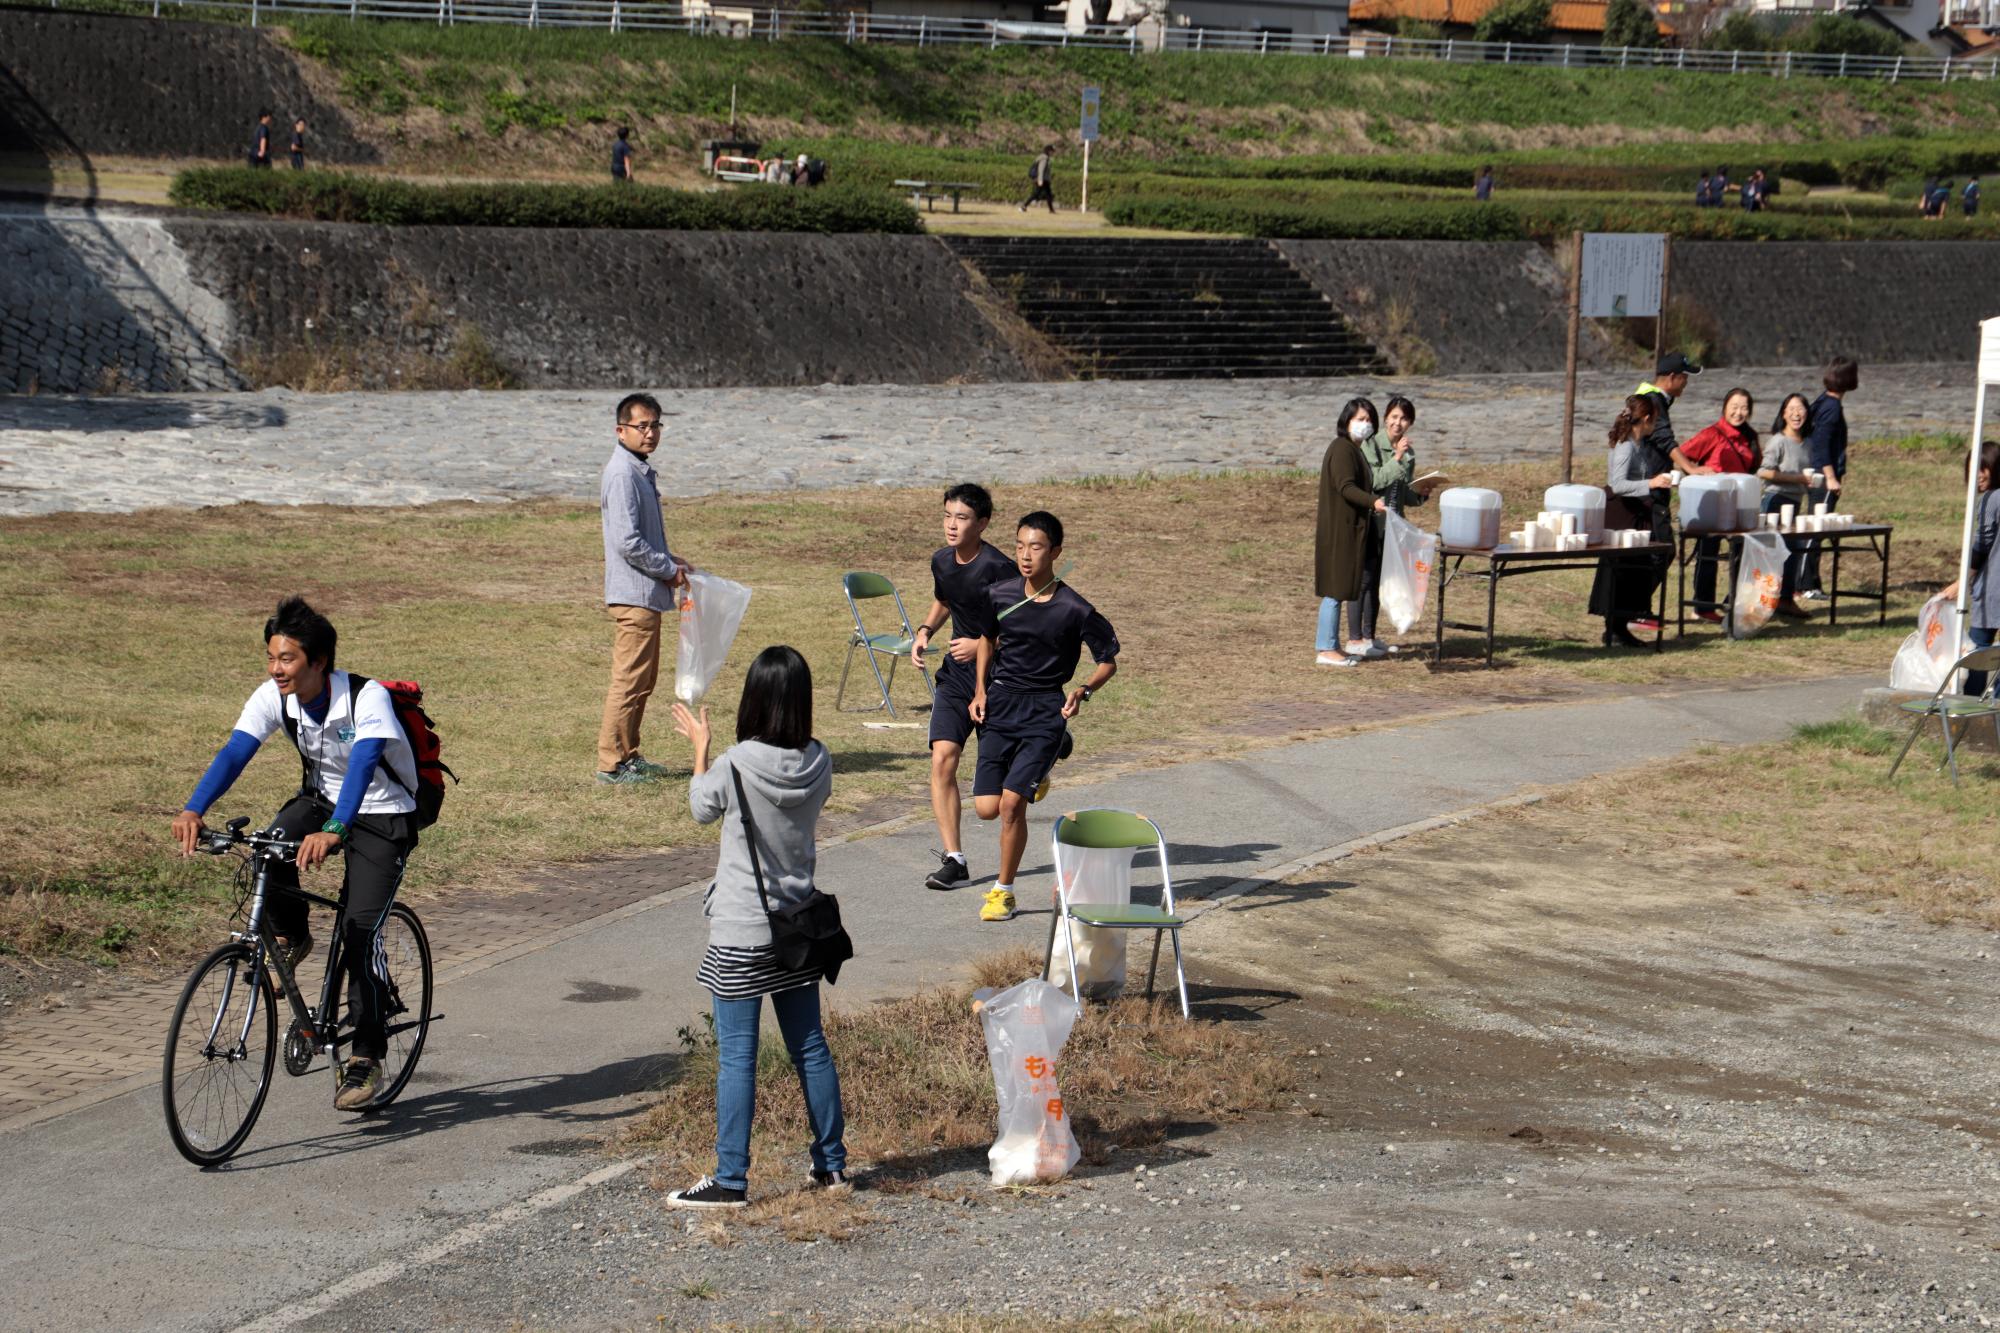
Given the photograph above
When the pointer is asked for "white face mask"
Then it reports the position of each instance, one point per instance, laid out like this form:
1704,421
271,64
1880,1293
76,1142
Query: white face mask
1360,430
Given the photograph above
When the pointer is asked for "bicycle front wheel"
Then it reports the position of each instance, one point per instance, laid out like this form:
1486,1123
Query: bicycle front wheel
406,953
220,1049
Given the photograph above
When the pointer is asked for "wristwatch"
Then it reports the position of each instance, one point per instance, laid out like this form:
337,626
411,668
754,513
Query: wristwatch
336,828
1086,693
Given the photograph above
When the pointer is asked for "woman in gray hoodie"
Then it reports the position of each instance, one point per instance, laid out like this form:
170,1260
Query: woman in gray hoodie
785,776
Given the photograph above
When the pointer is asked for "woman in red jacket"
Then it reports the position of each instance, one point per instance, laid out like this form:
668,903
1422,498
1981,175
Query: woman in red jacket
1730,445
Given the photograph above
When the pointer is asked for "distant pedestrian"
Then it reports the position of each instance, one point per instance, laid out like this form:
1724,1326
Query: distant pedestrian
1970,197
1482,185
260,140
1924,199
1042,176
1942,203
1720,189
298,146
621,156
1753,192
1704,191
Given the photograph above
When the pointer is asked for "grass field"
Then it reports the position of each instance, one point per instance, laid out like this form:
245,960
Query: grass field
133,640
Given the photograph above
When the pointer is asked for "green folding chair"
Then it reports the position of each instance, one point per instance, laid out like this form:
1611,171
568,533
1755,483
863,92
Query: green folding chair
1951,709
1114,829
861,588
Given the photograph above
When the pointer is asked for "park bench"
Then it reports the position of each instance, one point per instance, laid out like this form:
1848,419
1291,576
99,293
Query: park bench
927,193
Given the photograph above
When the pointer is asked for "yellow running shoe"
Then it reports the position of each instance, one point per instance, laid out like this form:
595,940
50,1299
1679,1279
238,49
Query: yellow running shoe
999,905
1041,789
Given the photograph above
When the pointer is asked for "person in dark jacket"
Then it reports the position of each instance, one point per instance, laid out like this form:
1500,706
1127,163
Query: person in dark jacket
1640,474
1041,175
1340,539
1670,380
1826,451
1982,615
260,140
1704,192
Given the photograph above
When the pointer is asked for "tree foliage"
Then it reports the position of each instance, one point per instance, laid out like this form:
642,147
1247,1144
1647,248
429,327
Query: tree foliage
1630,23
1525,21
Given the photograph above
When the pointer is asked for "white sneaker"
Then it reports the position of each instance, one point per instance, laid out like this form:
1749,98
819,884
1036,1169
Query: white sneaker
1377,649
1336,660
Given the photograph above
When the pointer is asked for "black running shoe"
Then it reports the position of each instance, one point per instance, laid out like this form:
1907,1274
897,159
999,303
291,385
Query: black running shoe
705,1193
950,874
1067,745
833,1182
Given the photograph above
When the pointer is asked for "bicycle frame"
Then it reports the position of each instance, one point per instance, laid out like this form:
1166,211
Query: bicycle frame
316,1023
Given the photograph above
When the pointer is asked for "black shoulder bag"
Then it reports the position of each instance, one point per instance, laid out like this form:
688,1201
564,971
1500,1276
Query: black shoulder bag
808,933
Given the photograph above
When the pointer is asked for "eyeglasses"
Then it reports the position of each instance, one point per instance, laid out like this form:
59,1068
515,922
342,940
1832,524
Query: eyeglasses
643,427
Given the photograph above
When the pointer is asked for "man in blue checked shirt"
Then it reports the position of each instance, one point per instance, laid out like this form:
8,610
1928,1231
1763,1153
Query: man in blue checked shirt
640,575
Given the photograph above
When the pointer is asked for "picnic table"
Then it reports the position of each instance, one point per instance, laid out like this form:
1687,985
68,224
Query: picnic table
1877,535
929,192
1507,561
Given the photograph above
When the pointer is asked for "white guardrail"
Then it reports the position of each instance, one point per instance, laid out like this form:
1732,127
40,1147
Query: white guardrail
917,30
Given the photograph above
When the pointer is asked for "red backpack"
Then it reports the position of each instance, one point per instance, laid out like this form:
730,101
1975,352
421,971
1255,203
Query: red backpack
406,697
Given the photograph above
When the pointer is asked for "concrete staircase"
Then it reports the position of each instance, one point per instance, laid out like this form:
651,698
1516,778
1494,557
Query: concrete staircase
1141,309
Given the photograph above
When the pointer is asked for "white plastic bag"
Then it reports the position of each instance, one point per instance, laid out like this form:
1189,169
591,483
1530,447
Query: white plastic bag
1093,875
1408,553
711,609
1760,581
1026,1026
1926,655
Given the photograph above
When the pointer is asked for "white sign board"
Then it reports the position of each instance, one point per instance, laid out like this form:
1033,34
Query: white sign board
1989,351
1621,274
1090,95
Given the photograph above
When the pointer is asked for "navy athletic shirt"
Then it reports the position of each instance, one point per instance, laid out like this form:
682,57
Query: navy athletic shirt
962,588
1041,642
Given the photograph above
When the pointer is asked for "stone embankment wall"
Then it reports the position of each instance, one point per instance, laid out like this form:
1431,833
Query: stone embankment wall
90,302
82,85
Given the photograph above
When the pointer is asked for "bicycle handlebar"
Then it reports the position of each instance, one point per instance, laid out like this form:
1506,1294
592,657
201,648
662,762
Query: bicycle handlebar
217,842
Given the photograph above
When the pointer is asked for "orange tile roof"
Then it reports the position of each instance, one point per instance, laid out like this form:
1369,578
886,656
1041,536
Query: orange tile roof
1564,15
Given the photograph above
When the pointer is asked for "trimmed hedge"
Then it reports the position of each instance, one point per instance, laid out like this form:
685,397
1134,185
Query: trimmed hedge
1531,220
327,196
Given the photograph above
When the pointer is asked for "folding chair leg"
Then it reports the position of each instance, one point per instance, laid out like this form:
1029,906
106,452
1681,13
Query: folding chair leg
1180,974
1049,959
881,684
1153,967
1069,951
1950,750
1906,748
841,693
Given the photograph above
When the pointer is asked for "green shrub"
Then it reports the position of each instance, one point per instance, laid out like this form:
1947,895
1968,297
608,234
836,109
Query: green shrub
327,196
1740,32
1538,218
1630,23
1516,21
1842,35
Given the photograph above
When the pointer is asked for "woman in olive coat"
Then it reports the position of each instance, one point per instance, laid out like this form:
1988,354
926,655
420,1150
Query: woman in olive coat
1340,541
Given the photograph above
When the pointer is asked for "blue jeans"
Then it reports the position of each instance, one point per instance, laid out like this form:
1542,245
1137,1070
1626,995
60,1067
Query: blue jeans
1329,625
736,1081
1975,681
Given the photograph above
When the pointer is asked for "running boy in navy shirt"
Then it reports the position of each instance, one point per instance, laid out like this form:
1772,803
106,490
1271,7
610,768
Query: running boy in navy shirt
961,573
1041,626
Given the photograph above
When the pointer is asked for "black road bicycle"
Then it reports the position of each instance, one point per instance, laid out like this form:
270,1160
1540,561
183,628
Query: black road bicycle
223,1042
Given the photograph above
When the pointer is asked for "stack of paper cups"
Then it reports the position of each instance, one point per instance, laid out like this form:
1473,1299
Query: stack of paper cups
1786,513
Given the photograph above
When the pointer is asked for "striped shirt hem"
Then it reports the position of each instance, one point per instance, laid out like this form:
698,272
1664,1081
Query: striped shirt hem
742,974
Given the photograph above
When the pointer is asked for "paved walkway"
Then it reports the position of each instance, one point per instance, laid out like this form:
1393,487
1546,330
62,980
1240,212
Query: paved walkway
115,454
558,1038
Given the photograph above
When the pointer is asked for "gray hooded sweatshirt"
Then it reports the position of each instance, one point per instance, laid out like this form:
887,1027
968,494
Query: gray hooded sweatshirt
787,788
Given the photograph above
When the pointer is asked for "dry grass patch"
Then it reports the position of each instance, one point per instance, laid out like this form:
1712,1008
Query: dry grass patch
919,1094
111,703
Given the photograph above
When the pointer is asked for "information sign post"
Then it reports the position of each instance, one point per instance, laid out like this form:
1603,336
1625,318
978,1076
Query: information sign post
1089,135
1612,276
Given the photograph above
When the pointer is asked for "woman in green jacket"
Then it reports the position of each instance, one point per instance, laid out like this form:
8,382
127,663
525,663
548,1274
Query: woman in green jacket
1392,469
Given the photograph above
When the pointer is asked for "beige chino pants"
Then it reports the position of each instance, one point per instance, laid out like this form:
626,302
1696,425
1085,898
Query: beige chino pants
635,666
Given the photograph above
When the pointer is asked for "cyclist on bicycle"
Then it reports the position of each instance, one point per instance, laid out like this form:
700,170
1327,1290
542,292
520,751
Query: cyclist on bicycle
357,796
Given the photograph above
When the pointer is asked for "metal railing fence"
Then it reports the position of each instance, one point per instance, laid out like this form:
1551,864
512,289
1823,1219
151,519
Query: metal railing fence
751,24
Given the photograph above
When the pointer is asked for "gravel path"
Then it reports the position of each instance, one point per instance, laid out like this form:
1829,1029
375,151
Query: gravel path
115,454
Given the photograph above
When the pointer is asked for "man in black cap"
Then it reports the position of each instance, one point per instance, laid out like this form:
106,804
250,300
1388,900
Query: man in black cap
1670,381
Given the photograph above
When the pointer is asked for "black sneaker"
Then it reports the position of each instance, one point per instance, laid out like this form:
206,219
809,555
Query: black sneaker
949,875
705,1193
833,1182
1067,745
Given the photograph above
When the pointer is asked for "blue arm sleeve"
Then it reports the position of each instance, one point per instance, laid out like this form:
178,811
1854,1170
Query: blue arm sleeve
223,770
360,771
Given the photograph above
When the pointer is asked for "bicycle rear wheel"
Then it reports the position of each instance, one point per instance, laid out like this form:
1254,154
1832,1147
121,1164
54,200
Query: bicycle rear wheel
220,1049
406,951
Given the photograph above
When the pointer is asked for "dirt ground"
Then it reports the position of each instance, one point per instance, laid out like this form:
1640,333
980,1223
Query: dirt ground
1549,1075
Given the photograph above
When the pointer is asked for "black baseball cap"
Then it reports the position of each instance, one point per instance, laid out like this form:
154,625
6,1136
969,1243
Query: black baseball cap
1675,364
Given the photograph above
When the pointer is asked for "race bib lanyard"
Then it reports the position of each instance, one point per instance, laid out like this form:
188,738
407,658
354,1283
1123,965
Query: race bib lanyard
1044,591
